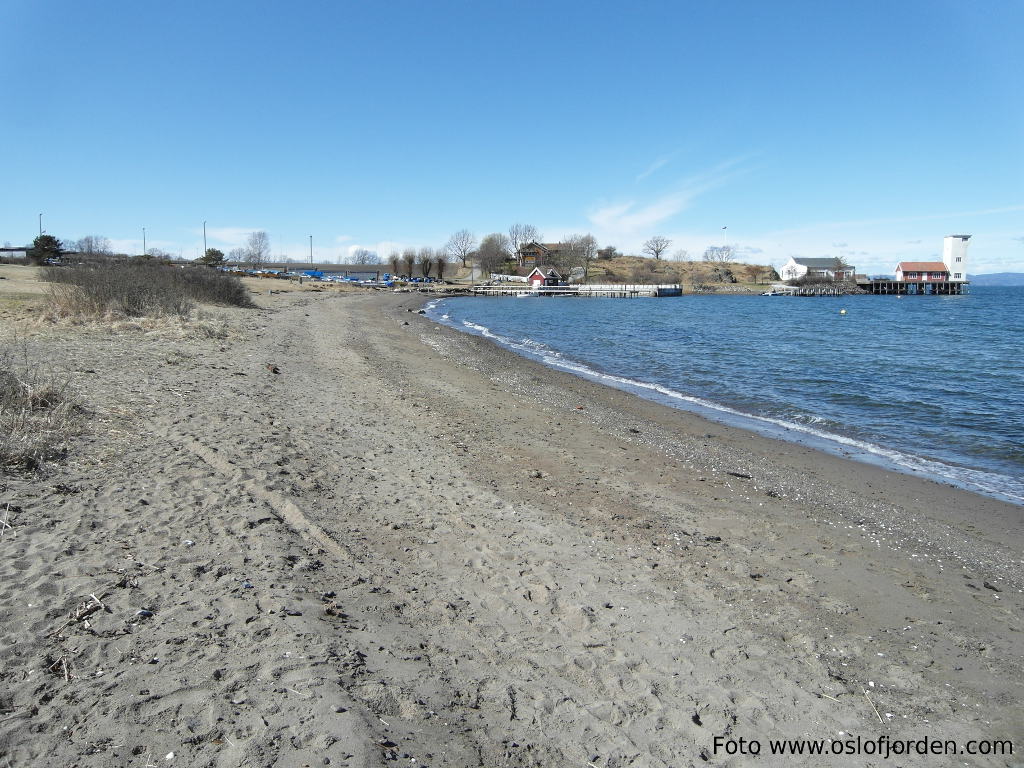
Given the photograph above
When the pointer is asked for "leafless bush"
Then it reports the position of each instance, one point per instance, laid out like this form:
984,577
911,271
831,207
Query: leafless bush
38,412
138,289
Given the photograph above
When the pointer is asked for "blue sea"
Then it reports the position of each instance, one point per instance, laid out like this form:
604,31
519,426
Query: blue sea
927,385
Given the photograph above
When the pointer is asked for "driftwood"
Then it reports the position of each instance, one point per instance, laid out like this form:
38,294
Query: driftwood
90,606
5,525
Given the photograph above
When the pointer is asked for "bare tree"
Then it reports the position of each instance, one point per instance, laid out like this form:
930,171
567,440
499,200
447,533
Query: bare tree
236,255
718,254
409,260
839,266
608,252
257,248
461,244
442,262
93,245
493,252
588,252
753,273
426,257
395,260
577,251
656,246
520,235
681,255
364,256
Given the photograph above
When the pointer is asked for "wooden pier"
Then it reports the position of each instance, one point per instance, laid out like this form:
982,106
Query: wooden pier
588,291
915,288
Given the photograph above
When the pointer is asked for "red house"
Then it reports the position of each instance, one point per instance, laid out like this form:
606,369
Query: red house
539,279
922,272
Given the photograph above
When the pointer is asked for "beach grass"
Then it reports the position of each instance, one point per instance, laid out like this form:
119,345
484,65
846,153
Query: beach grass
38,411
139,289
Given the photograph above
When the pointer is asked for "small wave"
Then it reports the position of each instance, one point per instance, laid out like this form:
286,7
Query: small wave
971,479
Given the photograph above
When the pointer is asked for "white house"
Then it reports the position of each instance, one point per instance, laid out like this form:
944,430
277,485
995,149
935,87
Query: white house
828,268
954,256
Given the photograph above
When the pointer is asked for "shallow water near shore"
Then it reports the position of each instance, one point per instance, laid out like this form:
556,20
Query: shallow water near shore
926,385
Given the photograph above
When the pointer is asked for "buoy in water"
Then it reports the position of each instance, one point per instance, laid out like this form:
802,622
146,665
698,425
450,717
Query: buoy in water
842,311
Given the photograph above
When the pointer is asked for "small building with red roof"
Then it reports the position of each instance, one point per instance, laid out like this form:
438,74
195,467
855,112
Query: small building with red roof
538,278
922,272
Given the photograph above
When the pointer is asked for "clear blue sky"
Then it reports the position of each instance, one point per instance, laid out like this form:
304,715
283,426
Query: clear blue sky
868,130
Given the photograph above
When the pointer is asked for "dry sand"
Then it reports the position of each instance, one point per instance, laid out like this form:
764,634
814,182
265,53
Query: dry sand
412,547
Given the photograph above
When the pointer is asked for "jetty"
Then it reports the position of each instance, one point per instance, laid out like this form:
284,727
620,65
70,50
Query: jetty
622,291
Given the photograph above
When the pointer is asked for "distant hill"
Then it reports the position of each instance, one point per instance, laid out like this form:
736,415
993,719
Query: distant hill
998,278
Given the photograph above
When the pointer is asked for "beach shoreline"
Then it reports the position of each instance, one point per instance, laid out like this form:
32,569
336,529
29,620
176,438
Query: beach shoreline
837,440
410,536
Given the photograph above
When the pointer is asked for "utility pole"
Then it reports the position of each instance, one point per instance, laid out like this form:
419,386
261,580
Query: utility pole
204,239
143,241
40,225
311,250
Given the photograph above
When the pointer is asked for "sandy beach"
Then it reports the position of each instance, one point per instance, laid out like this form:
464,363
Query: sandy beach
340,534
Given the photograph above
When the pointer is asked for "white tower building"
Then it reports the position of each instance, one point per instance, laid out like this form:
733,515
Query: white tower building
954,256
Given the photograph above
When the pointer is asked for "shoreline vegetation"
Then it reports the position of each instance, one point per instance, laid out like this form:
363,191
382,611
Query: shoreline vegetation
337,531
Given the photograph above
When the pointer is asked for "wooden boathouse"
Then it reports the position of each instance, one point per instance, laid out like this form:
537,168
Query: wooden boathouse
928,278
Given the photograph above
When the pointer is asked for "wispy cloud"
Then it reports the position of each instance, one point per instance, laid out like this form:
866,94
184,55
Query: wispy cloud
230,237
658,164
629,217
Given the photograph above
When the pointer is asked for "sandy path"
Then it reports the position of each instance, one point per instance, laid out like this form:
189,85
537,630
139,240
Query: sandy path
517,567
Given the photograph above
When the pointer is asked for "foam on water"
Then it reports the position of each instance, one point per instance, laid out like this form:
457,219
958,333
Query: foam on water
805,428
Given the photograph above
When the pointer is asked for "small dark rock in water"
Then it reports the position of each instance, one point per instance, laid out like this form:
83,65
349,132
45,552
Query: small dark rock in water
740,475
405,322
712,538
634,430
144,613
990,585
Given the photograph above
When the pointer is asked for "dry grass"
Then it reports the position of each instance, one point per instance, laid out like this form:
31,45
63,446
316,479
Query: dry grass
38,412
629,269
113,290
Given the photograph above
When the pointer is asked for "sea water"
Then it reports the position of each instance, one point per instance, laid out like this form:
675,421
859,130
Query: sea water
931,385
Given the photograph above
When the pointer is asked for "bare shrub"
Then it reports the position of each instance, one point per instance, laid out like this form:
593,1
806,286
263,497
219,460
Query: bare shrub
139,289
38,413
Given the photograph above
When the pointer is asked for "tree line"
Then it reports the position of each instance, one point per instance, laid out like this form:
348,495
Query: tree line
494,252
